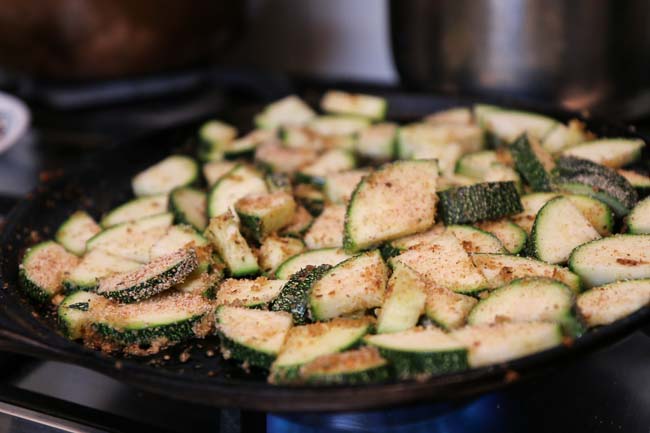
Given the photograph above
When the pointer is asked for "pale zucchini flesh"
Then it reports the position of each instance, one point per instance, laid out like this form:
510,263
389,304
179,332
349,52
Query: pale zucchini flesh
325,256
404,300
327,229
172,172
606,304
136,209
223,232
75,232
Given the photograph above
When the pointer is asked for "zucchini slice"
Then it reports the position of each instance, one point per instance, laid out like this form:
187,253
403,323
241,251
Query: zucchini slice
640,182
638,220
299,224
445,263
74,314
510,124
475,240
332,161
559,228
238,183
327,229
189,206
448,309
215,170
525,300
132,240
200,283
170,173
352,367
160,274
397,200
339,187
356,284
294,295
325,256
337,125
276,250
533,163
136,209
476,164
512,237
337,102
306,343
248,293
159,321
460,116
301,137
377,142
279,159
400,245
606,304
251,336
223,232
498,172
290,110
482,201
75,232
417,136
404,300
310,197
43,269
278,182
213,137
501,269
447,155
95,265
263,214
179,237
618,257
502,342
563,136
610,152
420,352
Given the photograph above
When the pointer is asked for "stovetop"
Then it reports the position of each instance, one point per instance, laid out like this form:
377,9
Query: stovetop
607,391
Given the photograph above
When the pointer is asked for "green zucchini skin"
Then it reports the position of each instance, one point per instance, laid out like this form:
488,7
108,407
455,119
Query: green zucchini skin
241,352
414,364
57,262
483,201
529,166
294,296
251,225
372,375
175,332
35,292
352,367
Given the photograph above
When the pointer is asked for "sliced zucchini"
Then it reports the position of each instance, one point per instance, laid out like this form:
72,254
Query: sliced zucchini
306,343
184,237
215,170
238,183
476,164
638,220
510,124
404,300
332,125
640,182
563,136
482,201
525,300
223,232
475,240
132,240
256,293
501,269
460,116
445,263
606,304
301,137
420,352
339,187
618,257
43,269
74,314
251,336
75,232
360,366
160,321
447,155
396,200
531,204
310,197
279,159
189,206
213,136
610,152
170,173
327,229
502,342
278,182
290,110
338,102
416,136
246,146
160,274
357,284
201,283
332,161
533,163
559,228
294,295
299,224
446,308
263,214
325,256
95,265
498,172
377,142
136,209
276,250
512,237
400,245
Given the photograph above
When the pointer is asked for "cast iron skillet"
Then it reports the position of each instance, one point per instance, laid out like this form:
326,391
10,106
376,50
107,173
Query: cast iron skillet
205,377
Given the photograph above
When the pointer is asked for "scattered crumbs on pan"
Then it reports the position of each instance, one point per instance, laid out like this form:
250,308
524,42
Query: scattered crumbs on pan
211,373
199,346
511,376
118,364
209,353
166,357
184,356
567,341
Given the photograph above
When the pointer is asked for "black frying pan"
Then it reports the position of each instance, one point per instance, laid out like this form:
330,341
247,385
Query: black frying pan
205,377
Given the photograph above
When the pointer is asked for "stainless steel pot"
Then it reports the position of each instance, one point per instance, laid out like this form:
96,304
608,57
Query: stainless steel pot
578,54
